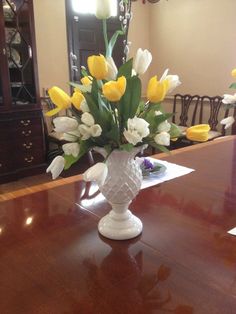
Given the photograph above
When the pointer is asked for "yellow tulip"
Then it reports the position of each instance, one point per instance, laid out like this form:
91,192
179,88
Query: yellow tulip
233,73
114,90
198,133
77,98
86,80
156,90
98,67
61,99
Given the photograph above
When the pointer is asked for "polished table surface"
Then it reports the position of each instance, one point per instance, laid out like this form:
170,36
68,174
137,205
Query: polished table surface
53,261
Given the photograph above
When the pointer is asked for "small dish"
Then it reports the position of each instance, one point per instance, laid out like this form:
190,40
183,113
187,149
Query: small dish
157,170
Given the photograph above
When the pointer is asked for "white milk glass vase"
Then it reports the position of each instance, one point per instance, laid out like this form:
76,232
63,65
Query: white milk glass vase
122,184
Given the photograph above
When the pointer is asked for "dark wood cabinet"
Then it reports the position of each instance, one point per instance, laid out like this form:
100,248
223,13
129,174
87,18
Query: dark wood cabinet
22,144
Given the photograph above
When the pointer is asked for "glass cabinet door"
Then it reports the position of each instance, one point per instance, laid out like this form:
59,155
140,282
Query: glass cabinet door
19,51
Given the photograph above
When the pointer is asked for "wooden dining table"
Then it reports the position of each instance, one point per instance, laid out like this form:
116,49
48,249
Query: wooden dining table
53,260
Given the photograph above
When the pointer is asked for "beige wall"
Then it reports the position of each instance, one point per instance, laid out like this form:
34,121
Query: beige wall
197,40
194,39
139,33
51,43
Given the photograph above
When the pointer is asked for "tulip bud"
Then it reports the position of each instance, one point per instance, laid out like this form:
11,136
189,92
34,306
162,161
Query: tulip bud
56,166
103,9
61,99
227,122
76,99
198,133
97,173
114,90
233,73
142,61
87,119
157,90
71,149
65,124
98,67
162,138
112,69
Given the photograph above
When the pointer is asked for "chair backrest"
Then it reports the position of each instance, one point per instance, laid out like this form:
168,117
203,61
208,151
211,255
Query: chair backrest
185,109
47,105
212,111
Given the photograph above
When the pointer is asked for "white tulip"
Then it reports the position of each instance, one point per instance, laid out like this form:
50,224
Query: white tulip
227,122
173,82
112,69
162,138
137,130
71,149
56,166
71,136
103,9
172,79
229,99
97,173
84,131
84,106
133,137
142,61
87,119
164,126
95,130
158,113
65,124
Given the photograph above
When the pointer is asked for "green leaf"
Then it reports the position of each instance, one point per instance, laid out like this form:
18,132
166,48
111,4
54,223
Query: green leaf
84,148
126,69
160,147
95,90
69,161
113,134
174,131
233,85
130,101
82,88
127,147
112,42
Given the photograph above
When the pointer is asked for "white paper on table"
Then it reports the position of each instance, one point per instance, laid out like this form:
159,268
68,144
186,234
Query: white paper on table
232,231
172,171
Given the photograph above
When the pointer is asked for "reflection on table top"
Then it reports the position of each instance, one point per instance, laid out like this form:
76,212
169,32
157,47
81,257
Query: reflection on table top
53,260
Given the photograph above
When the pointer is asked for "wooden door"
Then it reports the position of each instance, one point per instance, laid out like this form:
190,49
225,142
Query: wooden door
85,38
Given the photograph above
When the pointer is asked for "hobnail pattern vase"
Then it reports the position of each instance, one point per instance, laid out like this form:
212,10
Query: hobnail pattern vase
122,184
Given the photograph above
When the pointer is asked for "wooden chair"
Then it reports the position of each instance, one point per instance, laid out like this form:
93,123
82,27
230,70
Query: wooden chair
185,109
212,111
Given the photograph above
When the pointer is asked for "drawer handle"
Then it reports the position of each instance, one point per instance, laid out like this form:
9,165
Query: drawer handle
30,159
28,146
0,165
25,122
26,133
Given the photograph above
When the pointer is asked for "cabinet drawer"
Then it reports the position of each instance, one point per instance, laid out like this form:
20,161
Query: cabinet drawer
29,132
28,145
5,162
30,158
27,122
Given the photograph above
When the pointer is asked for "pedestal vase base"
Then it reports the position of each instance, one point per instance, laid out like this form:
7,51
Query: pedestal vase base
120,226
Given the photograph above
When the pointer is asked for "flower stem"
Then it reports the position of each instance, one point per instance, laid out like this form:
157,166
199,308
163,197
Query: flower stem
104,27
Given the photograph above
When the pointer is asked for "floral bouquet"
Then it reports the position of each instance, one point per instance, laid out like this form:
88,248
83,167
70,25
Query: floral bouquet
230,102
107,110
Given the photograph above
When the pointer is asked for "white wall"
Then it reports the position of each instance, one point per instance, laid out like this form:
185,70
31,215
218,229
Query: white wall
51,43
197,40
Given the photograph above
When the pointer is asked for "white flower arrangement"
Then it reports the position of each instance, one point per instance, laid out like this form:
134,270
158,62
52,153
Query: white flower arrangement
107,108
